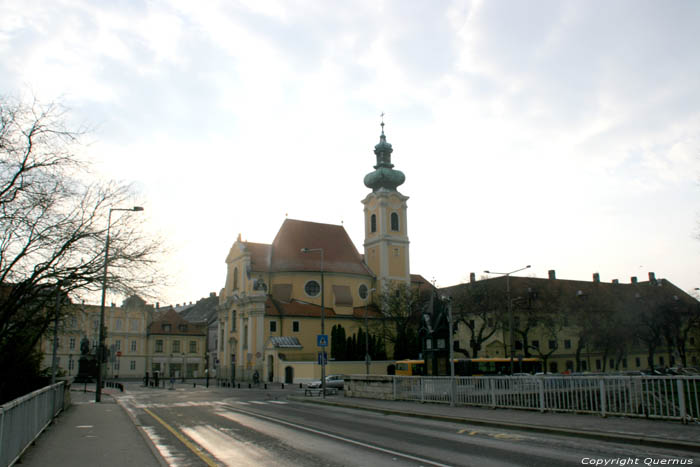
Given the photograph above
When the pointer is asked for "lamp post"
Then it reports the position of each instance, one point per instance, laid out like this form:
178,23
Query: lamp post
367,360
323,321
510,313
101,336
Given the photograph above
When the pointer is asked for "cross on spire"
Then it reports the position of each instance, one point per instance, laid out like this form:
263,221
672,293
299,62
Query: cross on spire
382,115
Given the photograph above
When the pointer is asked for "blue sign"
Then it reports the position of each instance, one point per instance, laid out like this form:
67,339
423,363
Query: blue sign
322,358
322,340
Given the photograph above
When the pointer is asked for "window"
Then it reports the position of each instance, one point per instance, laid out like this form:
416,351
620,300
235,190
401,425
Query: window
182,327
624,363
567,344
71,343
612,364
597,364
116,364
71,364
118,345
118,324
553,367
570,365
273,326
552,344
394,221
535,344
132,365
176,346
134,324
373,223
235,278
312,288
396,252
518,345
167,327
363,292
133,346
193,346
95,323
233,321
637,362
441,343
661,360
159,345
428,344
295,326
155,367
584,365
73,323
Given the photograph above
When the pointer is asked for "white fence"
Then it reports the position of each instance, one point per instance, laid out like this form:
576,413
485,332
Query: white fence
22,420
666,397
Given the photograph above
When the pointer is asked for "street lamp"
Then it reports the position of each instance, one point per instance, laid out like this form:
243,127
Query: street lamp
101,336
323,321
369,292
510,312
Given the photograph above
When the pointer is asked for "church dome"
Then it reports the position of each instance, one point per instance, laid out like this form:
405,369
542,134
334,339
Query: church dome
384,175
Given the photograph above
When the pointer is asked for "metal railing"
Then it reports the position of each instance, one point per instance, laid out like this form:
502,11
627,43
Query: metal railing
664,397
22,420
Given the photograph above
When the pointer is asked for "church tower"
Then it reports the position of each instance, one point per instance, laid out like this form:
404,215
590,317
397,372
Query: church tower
386,224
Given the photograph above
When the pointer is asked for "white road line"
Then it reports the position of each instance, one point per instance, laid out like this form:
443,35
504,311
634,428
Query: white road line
342,438
278,402
258,402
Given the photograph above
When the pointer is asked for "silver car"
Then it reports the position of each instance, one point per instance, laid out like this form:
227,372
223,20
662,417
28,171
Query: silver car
332,381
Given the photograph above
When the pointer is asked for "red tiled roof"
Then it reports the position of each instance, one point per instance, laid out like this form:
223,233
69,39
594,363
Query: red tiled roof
284,255
175,321
297,308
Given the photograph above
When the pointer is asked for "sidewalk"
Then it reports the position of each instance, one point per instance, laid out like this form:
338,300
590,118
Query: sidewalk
88,433
639,431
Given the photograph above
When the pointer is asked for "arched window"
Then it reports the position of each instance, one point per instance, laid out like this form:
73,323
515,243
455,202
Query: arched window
235,278
373,223
394,221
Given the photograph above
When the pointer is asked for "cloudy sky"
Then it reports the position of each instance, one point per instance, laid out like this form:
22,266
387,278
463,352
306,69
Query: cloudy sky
562,134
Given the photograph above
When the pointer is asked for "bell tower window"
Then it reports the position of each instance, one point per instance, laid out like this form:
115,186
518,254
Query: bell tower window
394,222
235,278
373,223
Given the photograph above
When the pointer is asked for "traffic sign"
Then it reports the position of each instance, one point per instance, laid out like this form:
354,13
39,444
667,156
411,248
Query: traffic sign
322,340
119,354
322,358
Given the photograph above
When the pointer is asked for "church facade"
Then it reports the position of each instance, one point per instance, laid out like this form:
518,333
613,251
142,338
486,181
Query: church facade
279,297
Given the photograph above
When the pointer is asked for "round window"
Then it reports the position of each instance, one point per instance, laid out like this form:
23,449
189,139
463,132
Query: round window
363,291
312,288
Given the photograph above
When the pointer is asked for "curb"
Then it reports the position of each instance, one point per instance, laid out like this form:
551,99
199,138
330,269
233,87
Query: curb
149,442
598,435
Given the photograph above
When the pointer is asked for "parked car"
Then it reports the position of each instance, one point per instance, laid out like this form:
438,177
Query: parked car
332,381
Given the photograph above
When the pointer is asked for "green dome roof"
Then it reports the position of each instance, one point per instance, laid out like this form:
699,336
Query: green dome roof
384,175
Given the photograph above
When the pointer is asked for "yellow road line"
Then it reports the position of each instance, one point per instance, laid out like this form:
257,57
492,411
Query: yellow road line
194,448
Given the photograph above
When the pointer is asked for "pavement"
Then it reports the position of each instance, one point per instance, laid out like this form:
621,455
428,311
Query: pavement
105,434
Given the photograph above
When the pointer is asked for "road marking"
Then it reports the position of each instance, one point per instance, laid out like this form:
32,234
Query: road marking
278,402
84,426
258,402
341,438
195,449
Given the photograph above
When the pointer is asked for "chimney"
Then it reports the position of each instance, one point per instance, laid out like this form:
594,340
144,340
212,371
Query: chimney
157,305
212,294
113,304
615,281
596,277
633,280
472,277
652,277
552,274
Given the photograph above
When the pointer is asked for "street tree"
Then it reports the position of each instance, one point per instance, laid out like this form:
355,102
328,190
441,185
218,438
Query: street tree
53,224
401,307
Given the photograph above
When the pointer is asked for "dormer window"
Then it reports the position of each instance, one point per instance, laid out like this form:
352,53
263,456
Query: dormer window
182,327
167,327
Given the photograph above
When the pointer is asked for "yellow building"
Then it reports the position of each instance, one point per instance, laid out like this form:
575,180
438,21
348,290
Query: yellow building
279,297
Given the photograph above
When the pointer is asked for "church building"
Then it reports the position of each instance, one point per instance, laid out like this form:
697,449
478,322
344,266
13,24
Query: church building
278,297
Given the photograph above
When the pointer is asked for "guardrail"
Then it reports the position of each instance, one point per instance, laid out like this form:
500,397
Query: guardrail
22,420
663,397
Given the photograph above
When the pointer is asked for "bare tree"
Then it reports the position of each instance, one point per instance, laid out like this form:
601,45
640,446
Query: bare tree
479,307
401,306
52,231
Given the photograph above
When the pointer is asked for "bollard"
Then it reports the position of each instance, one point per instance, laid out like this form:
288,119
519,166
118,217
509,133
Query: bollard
248,385
299,385
265,386
194,385
282,385
239,385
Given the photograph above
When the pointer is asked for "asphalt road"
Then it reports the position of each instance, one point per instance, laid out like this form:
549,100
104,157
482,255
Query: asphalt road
219,426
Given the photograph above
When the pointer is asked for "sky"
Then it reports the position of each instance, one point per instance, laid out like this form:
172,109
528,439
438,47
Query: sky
559,134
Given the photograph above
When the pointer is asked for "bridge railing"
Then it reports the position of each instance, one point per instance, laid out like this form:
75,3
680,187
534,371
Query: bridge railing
663,397
22,420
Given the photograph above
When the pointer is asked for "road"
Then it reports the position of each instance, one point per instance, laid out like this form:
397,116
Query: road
217,426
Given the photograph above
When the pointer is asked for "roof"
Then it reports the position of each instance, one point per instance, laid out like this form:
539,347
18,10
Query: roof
302,309
283,342
202,311
178,325
284,255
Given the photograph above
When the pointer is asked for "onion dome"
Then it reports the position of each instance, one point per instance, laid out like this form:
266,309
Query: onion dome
384,175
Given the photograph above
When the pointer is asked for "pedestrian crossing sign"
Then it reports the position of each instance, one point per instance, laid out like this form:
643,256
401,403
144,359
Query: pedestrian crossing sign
322,340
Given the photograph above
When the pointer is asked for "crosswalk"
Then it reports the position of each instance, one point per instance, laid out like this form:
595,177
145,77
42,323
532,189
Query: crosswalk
137,405
258,402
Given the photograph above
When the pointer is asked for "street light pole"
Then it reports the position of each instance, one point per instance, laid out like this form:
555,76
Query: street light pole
510,313
323,321
367,334
101,336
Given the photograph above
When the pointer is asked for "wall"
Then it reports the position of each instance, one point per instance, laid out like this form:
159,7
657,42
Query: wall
370,387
